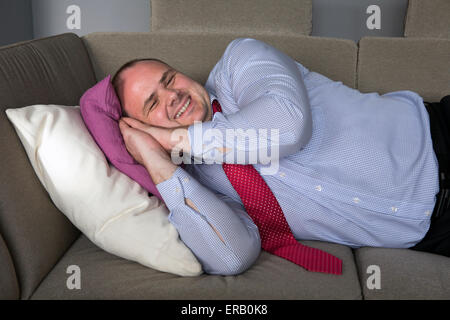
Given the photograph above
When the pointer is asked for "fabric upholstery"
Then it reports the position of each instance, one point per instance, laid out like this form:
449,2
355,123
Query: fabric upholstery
270,278
195,54
46,68
50,70
9,287
261,16
404,274
392,64
428,18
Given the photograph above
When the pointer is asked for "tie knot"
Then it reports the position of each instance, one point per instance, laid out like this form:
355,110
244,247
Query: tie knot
216,106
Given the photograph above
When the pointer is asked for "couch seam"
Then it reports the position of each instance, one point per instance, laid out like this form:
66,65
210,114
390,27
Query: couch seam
358,68
19,291
363,297
52,268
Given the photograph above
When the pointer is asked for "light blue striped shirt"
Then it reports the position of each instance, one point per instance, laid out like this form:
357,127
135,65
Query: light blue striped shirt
355,168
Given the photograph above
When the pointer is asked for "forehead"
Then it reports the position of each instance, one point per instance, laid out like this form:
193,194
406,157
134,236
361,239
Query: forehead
142,77
148,70
138,81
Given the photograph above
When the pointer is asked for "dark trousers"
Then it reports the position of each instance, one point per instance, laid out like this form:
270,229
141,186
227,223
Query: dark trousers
437,239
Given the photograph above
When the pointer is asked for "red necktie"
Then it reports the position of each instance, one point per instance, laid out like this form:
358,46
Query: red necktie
276,236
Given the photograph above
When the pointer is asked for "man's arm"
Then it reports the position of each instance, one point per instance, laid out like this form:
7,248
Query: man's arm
258,87
165,173
218,230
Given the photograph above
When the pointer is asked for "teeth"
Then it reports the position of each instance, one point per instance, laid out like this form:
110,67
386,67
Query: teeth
183,109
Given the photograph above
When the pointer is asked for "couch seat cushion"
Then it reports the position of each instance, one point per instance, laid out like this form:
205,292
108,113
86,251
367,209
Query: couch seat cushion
104,276
404,274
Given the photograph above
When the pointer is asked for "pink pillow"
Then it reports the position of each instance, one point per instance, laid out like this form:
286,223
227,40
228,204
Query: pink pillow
101,112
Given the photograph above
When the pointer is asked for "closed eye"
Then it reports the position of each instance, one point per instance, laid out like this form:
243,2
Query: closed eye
147,108
171,79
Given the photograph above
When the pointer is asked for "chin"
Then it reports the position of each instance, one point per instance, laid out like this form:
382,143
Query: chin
199,116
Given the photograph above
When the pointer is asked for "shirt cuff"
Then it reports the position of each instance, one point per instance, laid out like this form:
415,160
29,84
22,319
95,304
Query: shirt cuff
180,186
171,189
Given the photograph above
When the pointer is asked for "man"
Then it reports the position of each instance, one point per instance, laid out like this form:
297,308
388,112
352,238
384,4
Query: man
355,169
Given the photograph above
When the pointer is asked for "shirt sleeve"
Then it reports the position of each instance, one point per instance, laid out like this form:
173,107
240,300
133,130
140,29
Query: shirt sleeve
241,245
264,102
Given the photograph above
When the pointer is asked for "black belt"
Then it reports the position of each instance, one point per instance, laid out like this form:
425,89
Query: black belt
440,133
443,198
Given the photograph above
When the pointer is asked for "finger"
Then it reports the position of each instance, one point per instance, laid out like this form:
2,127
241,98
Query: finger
135,123
123,126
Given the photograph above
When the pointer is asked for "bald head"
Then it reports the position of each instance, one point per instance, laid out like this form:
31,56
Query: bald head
117,80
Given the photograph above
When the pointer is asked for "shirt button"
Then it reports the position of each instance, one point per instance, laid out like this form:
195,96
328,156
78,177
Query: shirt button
394,209
186,179
428,212
356,200
318,188
177,189
282,174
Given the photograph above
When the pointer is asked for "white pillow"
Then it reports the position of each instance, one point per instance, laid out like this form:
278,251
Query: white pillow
111,209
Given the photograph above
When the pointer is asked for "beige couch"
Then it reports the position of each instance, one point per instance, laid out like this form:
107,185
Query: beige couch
37,242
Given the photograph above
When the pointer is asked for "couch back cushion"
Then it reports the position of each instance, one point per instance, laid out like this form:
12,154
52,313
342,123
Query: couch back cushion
417,64
428,18
52,70
195,54
262,16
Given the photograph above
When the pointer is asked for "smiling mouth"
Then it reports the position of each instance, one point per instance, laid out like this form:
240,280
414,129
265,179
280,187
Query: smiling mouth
183,109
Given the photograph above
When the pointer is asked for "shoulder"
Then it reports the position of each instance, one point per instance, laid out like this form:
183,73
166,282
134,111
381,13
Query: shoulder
240,51
245,46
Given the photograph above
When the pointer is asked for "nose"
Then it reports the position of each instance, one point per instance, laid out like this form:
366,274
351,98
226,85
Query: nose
173,96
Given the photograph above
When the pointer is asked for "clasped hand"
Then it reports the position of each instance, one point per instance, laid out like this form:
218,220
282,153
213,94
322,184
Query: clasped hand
152,145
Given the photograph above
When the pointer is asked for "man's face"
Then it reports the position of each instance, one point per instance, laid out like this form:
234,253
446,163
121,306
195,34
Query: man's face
158,95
